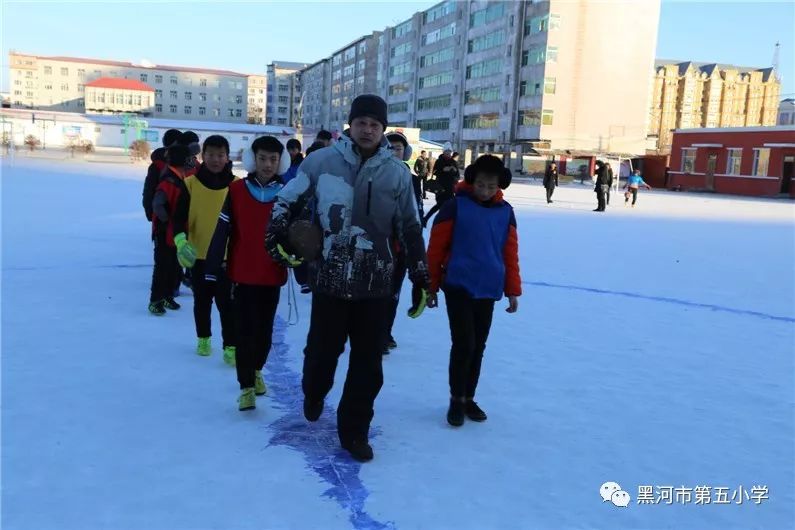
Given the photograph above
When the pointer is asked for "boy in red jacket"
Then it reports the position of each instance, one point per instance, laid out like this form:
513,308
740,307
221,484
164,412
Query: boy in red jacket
256,278
169,230
473,256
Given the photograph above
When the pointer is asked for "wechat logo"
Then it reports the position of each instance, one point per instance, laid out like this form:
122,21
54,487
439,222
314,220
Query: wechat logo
612,492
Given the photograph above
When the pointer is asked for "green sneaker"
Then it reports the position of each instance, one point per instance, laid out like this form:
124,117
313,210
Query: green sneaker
157,309
229,355
259,385
204,348
247,399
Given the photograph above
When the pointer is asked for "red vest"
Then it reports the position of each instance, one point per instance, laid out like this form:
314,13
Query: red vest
172,192
248,262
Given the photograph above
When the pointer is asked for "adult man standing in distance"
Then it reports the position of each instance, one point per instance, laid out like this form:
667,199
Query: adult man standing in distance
325,137
421,170
364,200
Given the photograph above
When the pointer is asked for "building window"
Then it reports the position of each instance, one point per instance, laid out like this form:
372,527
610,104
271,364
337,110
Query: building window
688,160
398,107
523,88
216,112
158,78
360,65
439,34
403,49
481,121
398,88
158,93
441,56
188,96
484,68
172,109
187,109
217,97
48,70
400,69
549,85
202,111
282,110
239,99
81,88
64,87
284,88
438,12
64,71
529,118
434,124
173,80
173,94
487,16
48,86
554,21
138,100
400,31
284,99
238,113
202,96
734,161
482,95
349,54
486,42
202,82
761,159
281,121
552,54
437,102
144,77
546,117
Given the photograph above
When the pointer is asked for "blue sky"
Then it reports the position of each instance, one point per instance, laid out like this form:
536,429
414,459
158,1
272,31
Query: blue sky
245,36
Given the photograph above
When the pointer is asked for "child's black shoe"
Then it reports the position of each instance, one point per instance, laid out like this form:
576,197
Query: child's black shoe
474,412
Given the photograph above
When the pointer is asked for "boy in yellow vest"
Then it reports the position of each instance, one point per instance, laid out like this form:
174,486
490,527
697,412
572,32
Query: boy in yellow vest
208,189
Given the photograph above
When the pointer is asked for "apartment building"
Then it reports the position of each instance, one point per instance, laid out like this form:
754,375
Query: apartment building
688,94
59,84
257,94
283,93
786,112
522,76
316,99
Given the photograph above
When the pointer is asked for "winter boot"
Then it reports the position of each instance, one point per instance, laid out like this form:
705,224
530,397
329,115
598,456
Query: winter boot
360,450
391,344
455,414
171,304
203,347
474,412
247,399
229,355
259,384
312,409
157,309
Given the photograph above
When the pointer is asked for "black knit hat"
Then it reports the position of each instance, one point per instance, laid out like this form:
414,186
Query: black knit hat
370,106
177,155
171,136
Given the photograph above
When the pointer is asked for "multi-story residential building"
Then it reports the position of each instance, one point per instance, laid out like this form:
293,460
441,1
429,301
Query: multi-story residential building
283,93
353,72
184,93
522,76
316,100
786,112
692,95
257,93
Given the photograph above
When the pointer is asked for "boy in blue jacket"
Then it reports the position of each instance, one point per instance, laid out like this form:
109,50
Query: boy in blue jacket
633,183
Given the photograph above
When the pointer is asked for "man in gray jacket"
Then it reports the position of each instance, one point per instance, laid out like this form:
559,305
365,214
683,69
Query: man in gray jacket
362,199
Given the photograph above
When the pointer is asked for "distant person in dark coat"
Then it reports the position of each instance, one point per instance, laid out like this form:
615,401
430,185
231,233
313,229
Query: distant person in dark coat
601,187
447,175
551,180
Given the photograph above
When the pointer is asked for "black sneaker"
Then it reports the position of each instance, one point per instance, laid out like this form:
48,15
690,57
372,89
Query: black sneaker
455,414
360,450
312,409
171,304
391,345
157,309
474,412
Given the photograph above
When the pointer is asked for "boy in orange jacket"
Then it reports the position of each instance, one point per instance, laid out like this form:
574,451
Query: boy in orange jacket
473,256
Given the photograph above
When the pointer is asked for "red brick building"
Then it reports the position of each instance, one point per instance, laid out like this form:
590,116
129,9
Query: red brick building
756,161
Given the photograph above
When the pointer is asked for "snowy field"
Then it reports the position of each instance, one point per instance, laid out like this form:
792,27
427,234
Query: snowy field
653,347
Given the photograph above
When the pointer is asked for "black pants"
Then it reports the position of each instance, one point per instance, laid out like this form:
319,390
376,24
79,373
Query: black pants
255,308
470,322
607,195
204,293
165,269
634,192
550,191
397,285
436,207
600,196
334,321
424,180
302,274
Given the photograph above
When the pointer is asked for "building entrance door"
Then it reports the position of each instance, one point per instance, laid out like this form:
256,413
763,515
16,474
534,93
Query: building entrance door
786,173
712,163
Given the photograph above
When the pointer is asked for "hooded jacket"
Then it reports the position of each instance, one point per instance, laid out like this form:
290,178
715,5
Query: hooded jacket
153,173
361,206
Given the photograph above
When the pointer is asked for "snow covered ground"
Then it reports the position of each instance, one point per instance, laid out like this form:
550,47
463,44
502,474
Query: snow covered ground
653,347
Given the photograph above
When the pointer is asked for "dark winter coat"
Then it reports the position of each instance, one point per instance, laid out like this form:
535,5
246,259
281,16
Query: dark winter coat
447,176
421,167
153,173
603,176
170,206
551,178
